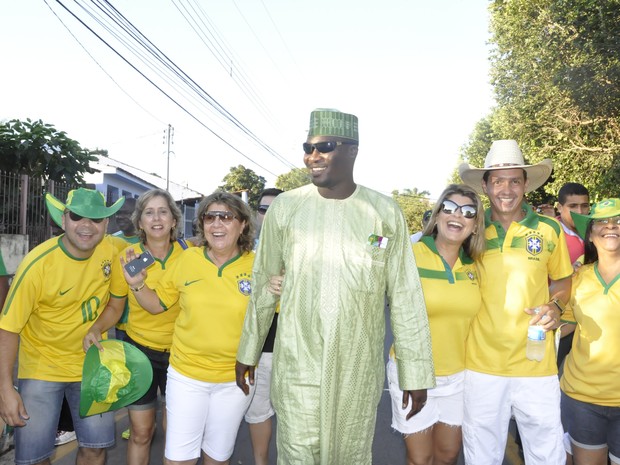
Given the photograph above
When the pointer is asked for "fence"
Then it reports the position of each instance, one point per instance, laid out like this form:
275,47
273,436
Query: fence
22,205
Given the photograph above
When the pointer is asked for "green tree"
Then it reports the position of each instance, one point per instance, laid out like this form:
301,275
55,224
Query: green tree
38,149
413,204
555,71
297,177
241,179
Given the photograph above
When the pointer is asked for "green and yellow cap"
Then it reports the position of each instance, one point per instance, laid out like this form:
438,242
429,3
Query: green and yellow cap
113,378
87,203
607,208
329,122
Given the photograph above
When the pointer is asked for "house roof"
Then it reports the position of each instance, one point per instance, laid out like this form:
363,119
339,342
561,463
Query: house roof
109,165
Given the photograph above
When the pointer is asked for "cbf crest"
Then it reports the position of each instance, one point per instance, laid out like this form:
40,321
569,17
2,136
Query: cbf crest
534,243
244,284
106,269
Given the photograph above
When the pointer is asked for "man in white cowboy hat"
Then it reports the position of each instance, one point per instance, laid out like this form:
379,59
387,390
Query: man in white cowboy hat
343,248
60,287
524,280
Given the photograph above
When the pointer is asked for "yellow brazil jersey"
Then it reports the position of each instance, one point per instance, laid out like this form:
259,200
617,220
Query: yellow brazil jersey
53,302
514,274
154,331
452,299
592,368
212,303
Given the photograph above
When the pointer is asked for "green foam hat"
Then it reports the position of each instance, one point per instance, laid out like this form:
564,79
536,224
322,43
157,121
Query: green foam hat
607,208
114,377
329,122
87,203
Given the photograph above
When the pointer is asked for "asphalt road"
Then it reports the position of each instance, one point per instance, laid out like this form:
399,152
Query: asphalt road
388,447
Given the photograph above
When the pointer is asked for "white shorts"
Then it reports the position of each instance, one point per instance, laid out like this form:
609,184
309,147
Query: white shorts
202,416
444,403
260,407
491,400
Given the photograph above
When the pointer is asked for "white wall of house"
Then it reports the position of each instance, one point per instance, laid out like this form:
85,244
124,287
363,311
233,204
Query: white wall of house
116,179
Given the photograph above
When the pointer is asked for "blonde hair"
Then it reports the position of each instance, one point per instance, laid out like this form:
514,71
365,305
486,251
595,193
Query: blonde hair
475,244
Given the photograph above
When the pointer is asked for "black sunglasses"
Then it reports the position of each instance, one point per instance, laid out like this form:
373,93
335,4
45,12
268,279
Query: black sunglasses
262,209
325,147
449,207
76,217
225,217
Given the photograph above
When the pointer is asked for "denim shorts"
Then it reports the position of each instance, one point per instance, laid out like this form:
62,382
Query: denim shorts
592,426
43,401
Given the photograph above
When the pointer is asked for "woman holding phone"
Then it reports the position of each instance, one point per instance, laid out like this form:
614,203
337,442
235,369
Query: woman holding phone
155,217
212,285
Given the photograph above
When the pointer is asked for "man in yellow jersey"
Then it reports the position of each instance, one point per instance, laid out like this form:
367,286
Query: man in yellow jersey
343,248
59,289
524,280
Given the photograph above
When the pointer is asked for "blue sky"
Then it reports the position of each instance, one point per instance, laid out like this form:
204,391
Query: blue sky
414,72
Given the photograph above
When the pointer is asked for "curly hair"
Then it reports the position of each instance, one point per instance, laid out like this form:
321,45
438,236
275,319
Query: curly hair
240,209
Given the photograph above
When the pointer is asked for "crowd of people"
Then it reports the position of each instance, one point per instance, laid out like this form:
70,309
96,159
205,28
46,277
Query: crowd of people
292,322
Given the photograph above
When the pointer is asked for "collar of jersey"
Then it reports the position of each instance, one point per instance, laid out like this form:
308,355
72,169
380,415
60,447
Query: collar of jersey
530,221
429,241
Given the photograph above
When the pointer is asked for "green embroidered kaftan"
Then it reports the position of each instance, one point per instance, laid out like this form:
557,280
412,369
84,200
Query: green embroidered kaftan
340,258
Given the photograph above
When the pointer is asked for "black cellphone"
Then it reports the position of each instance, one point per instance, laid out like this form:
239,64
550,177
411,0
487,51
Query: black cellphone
139,263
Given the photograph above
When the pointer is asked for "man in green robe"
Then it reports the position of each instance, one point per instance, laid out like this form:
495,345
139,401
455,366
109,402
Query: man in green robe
342,248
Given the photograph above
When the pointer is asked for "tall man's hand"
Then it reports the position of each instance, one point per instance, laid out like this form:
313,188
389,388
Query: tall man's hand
418,401
240,371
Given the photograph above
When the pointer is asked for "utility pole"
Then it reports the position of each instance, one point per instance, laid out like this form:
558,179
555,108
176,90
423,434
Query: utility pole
168,135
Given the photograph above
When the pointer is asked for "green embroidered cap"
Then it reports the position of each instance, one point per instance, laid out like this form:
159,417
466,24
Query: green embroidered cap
607,208
329,122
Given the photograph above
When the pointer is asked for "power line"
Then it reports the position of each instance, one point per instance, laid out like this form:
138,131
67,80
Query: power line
211,38
101,67
196,87
155,59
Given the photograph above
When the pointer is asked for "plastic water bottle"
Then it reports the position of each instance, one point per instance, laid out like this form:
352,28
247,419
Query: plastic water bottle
536,335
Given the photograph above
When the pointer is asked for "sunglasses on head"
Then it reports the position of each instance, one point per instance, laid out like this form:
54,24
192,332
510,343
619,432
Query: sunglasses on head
262,209
225,217
325,147
76,217
449,207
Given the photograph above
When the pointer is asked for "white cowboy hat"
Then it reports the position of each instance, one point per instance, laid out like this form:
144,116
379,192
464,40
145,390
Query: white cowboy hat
504,155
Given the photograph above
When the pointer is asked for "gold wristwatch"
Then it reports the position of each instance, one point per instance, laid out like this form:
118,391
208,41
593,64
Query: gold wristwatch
560,306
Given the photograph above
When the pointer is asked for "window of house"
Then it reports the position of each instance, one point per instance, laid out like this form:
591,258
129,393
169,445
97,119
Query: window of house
112,194
189,212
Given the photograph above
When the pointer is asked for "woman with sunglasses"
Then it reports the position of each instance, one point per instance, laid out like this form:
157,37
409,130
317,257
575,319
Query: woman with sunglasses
155,217
445,258
591,380
212,285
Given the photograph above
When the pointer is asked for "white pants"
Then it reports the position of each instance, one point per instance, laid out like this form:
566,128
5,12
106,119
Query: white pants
260,408
202,415
491,400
